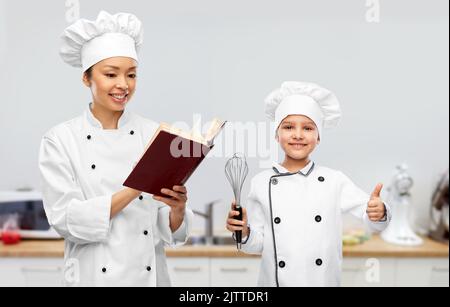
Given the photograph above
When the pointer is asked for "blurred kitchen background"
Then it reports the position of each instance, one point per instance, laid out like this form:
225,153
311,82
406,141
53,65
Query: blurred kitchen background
387,61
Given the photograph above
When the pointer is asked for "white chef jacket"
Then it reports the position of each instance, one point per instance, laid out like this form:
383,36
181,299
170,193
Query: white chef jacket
82,165
295,222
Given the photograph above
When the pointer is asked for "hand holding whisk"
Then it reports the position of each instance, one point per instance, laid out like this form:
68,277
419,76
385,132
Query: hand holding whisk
236,170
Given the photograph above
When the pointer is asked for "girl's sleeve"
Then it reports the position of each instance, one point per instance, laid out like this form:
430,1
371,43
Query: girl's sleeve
255,241
353,200
74,217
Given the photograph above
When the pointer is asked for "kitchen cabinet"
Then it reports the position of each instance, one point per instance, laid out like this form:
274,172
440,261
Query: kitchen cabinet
234,272
31,272
372,264
368,272
392,272
431,272
213,272
189,272
243,272
356,272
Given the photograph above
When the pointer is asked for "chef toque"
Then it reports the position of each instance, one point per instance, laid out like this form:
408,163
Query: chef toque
85,43
303,98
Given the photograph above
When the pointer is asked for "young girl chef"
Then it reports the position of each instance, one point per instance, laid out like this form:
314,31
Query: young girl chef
114,236
294,209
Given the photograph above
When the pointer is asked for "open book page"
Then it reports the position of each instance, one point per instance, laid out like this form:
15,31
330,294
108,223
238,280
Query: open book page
213,131
181,133
207,140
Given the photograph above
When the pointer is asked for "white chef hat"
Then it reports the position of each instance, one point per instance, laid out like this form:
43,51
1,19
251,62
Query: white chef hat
86,42
304,98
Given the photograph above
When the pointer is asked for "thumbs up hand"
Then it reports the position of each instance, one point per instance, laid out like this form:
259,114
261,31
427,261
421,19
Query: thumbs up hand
375,207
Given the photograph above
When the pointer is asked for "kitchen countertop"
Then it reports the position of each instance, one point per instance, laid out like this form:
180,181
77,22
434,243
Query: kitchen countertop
375,247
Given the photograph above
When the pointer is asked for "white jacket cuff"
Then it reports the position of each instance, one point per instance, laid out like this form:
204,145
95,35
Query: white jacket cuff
253,243
89,220
181,235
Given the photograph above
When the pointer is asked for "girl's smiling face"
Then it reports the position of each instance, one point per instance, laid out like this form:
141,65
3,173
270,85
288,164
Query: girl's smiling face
112,82
298,136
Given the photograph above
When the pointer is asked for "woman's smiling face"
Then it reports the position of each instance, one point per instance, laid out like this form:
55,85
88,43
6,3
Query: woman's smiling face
112,82
298,136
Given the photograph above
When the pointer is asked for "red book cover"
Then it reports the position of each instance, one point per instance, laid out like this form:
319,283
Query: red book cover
170,159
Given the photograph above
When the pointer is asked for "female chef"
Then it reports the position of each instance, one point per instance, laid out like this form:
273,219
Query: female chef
114,236
294,209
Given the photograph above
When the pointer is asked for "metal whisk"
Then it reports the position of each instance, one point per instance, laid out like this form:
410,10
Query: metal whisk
236,170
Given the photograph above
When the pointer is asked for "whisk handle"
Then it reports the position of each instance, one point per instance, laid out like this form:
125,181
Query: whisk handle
238,233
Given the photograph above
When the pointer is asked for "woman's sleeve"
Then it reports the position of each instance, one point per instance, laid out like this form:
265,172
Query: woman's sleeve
74,217
181,235
255,241
353,200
